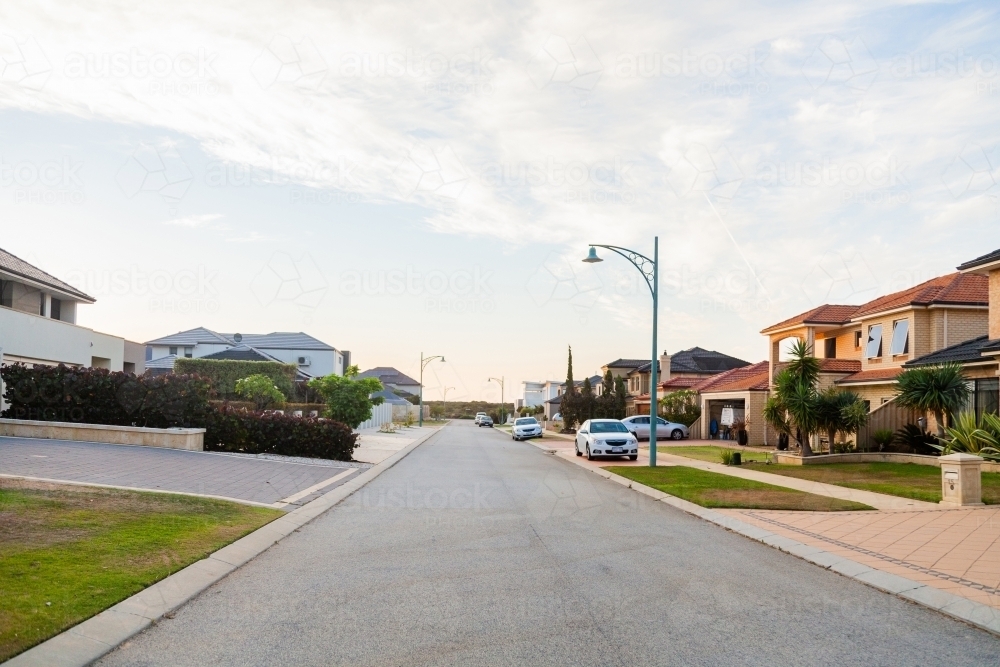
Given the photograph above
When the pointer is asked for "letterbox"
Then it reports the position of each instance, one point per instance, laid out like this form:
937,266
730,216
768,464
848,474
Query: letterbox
960,481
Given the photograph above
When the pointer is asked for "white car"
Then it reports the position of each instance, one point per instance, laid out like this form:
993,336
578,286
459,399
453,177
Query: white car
638,425
479,417
606,437
526,427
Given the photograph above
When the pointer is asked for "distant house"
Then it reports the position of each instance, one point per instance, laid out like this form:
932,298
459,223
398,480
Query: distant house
313,357
681,370
393,380
552,405
38,323
536,393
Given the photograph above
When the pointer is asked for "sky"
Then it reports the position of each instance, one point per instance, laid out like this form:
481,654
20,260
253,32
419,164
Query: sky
399,179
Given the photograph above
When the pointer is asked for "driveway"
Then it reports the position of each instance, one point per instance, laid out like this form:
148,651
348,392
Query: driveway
476,550
262,481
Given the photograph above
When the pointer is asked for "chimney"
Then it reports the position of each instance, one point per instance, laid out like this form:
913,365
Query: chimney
664,367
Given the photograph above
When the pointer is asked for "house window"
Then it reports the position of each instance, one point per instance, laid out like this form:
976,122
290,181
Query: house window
6,293
901,337
874,348
41,304
188,351
55,309
830,348
857,340
173,350
868,406
984,396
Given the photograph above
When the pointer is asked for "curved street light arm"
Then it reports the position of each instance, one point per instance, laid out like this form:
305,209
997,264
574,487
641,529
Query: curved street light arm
639,261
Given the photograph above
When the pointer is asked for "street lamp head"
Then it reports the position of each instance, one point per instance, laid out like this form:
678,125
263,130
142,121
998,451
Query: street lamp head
592,257
442,360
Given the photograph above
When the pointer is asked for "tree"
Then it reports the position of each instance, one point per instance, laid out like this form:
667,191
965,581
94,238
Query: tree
841,412
348,400
680,406
261,391
621,397
941,390
794,406
587,401
606,408
568,403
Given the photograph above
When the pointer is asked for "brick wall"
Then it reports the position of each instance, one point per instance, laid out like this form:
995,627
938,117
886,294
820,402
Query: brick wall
994,326
966,324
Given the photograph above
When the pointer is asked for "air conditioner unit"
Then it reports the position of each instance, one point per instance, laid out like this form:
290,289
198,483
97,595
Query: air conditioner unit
305,361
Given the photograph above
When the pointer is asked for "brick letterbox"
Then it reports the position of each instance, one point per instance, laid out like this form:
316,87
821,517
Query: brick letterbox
960,481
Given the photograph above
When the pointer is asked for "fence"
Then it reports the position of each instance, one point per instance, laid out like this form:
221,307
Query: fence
889,417
381,414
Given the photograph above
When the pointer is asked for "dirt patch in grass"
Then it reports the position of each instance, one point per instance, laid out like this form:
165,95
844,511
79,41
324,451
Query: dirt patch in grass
710,489
68,552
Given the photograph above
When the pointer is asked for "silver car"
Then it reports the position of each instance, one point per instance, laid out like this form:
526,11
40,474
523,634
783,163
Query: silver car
638,425
526,427
605,437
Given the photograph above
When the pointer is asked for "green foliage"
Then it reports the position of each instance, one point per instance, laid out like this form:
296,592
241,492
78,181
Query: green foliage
587,405
224,373
794,406
840,412
568,405
260,390
348,399
100,396
912,438
882,438
681,407
621,397
726,456
969,437
233,430
941,390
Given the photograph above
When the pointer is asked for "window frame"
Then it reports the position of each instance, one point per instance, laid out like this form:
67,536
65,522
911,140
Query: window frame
896,325
881,342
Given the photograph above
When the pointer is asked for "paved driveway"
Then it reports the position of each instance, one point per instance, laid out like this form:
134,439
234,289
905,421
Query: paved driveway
249,479
475,550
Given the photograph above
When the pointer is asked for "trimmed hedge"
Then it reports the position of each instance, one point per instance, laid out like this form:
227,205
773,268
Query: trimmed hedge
288,408
223,373
232,429
100,396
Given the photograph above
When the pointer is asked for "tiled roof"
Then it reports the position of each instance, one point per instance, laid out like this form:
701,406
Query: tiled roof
16,266
988,258
825,314
388,375
685,382
697,360
282,340
877,375
748,378
966,352
166,362
967,289
627,363
389,397
191,337
241,353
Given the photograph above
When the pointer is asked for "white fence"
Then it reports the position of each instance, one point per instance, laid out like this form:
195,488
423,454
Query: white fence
381,414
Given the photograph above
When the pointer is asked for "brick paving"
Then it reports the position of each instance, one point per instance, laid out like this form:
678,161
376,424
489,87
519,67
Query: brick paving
242,478
956,550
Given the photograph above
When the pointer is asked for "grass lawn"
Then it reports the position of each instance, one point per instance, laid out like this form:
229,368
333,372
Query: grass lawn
67,552
711,454
710,489
908,480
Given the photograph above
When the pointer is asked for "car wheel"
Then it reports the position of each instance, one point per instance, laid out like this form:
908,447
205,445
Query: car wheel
577,449
677,434
590,457
633,457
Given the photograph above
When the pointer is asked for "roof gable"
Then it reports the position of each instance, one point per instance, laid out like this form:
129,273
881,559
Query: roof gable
15,266
829,314
754,377
965,289
389,375
191,337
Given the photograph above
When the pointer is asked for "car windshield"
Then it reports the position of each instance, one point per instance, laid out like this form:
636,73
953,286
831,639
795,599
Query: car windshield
530,421
607,427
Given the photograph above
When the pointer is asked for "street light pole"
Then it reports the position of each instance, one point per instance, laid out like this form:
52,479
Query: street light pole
650,270
423,364
502,413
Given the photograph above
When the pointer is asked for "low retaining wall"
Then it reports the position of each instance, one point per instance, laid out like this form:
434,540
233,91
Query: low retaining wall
785,458
192,439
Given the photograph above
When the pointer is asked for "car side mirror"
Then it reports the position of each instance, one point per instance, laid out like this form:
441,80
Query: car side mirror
584,432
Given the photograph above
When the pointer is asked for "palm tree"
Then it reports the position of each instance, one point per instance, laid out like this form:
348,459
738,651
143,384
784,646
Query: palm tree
941,390
841,412
794,407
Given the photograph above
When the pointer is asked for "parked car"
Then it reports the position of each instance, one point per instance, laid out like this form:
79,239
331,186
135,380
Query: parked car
486,421
605,437
526,427
479,416
638,425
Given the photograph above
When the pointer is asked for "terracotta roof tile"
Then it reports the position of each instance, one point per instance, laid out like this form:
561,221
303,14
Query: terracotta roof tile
877,375
825,314
955,288
752,378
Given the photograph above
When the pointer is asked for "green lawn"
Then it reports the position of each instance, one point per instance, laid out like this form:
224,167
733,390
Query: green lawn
710,489
908,480
66,553
711,454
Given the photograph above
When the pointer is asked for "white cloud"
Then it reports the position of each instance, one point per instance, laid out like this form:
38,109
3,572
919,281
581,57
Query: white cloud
195,220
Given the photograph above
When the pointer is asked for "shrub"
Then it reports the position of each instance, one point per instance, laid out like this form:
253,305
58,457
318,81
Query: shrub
224,373
726,456
882,437
681,407
100,396
348,400
970,437
913,439
261,390
233,430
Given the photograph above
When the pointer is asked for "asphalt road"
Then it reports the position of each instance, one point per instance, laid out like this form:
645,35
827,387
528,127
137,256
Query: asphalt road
475,550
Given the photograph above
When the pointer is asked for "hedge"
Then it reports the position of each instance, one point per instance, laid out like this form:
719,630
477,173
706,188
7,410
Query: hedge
288,408
100,396
232,429
223,373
